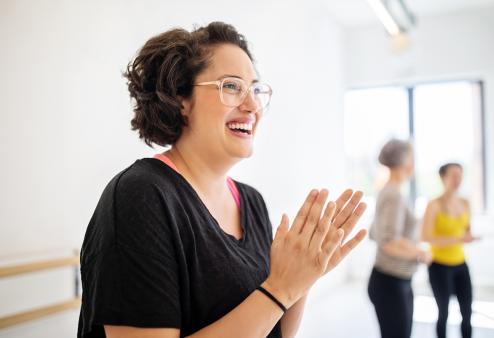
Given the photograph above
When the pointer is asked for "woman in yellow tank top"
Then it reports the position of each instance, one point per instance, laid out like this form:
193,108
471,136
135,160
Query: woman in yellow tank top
447,227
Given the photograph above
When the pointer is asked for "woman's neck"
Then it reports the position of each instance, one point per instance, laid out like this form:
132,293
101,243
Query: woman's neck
207,176
448,195
395,178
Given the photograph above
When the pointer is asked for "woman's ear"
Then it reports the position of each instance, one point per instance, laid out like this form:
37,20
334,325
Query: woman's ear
185,106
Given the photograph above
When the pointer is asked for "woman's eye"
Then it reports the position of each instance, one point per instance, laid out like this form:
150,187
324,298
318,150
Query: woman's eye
232,87
260,89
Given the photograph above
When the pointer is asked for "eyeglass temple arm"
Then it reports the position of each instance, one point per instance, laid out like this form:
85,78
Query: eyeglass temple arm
216,83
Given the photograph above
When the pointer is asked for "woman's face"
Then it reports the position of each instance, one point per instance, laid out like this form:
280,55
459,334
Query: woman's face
407,167
452,178
212,126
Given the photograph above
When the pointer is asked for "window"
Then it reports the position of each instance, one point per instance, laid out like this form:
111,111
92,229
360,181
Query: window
443,119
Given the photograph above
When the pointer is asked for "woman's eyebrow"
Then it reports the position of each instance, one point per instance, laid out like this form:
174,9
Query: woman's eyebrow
237,77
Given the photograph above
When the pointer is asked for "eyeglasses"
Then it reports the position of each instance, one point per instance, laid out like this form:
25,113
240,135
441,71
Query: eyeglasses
233,92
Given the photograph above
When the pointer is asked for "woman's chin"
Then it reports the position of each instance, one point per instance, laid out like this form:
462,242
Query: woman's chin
241,153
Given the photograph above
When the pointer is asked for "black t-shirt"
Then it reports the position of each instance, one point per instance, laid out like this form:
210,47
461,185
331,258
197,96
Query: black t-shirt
153,255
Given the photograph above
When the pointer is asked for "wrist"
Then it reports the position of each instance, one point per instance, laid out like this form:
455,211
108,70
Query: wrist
419,257
279,293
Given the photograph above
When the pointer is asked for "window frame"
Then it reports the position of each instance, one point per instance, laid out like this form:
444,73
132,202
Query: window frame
410,88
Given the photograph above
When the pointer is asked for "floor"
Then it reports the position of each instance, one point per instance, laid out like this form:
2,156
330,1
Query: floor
346,311
339,312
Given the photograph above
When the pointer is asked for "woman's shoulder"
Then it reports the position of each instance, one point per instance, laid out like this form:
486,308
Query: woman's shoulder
148,170
466,203
143,182
389,193
144,175
434,204
136,204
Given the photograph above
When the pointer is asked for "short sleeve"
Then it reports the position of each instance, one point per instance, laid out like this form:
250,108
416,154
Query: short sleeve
134,279
389,219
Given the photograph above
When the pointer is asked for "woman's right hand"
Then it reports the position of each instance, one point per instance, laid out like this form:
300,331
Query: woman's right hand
300,253
424,256
468,238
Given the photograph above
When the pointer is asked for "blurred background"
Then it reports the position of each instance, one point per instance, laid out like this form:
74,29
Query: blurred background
346,76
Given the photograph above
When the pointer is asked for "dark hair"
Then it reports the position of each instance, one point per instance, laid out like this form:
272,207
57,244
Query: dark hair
393,153
163,72
443,170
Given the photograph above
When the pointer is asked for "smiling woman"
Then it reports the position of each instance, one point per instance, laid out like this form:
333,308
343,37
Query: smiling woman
177,248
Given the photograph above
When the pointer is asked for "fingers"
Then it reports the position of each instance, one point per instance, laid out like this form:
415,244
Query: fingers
283,227
322,228
332,242
352,243
302,214
343,215
353,219
341,201
314,216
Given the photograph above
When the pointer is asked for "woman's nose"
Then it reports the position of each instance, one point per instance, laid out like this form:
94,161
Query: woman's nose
250,102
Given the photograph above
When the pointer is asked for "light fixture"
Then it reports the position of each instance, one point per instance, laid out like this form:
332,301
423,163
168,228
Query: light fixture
394,15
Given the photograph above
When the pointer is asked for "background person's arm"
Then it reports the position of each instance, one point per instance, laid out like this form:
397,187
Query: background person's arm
468,237
405,249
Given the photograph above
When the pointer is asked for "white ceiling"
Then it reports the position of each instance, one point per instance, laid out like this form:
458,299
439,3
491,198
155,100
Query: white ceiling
357,12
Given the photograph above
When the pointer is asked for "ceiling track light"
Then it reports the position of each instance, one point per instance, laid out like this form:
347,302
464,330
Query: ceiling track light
394,15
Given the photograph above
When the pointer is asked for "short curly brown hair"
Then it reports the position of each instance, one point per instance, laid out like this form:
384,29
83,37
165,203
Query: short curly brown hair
164,71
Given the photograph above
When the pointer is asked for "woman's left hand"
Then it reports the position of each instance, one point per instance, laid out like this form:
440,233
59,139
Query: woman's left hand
348,212
468,238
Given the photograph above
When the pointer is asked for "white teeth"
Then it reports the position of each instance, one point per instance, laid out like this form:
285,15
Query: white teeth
243,126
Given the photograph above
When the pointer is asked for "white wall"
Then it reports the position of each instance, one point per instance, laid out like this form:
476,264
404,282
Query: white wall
65,118
450,46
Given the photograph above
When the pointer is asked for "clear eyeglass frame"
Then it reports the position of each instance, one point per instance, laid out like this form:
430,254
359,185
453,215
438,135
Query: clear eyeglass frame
233,92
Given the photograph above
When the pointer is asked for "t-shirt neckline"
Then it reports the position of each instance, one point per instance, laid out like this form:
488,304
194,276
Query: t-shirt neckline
240,240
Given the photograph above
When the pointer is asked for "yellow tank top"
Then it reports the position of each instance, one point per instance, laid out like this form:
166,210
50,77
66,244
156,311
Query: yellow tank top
447,226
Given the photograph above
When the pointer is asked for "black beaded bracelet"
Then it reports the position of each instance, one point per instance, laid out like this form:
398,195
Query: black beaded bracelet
273,298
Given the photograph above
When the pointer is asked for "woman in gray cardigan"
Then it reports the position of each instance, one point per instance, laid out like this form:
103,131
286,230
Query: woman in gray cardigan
395,231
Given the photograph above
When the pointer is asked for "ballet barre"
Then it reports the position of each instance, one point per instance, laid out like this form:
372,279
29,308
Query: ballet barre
41,265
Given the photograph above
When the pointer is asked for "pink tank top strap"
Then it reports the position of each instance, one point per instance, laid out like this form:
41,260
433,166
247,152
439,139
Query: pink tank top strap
234,190
166,160
231,184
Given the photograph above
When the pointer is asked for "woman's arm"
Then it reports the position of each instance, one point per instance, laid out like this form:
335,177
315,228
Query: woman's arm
468,237
405,249
255,317
290,321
